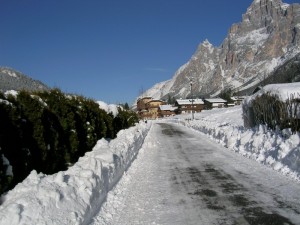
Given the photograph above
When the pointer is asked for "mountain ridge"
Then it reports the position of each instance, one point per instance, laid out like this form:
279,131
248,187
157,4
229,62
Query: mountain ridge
267,36
10,79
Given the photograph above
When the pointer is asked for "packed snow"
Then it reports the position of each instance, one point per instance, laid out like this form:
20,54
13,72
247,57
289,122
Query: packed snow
75,195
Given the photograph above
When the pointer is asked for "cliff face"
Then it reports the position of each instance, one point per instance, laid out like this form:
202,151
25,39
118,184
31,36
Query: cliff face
267,36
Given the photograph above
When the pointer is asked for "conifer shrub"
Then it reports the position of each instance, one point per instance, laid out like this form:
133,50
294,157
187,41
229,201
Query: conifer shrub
124,119
268,109
48,131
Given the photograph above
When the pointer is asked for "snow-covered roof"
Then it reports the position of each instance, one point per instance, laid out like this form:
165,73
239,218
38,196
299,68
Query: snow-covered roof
189,101
235,98
215,100
156,100
167,108
144,98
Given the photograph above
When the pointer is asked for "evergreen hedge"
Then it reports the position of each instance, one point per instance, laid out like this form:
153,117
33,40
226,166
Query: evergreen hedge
49,131
268,109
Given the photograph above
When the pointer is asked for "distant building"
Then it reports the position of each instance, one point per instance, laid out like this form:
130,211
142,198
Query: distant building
147,108
214,103
141,103
142,110
237,100
187,105
166,110
144,114
153,107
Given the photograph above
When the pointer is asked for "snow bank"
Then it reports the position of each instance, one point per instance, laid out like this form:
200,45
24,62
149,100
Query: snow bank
73,196
283,91
277,149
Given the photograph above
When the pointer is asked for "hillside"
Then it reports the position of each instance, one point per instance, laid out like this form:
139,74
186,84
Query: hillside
11,79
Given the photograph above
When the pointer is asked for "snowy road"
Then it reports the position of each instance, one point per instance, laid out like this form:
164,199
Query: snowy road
181,177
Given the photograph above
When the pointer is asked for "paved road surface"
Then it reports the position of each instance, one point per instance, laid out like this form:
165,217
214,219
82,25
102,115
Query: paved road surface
181,177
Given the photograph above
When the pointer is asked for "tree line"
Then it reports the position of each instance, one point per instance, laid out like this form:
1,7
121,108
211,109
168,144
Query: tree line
48,131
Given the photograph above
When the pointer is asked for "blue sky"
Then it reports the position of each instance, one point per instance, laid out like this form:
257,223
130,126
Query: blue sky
109,50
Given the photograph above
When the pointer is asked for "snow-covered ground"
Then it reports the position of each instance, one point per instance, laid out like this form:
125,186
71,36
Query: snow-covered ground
182,177
75,195
277,149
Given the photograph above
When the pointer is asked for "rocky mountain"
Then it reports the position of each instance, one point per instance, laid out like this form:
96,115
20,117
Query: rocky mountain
11,79
288,72
267,37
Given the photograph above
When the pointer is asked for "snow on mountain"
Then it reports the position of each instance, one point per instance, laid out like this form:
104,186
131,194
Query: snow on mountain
267,37
10,73
154,92
11,79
